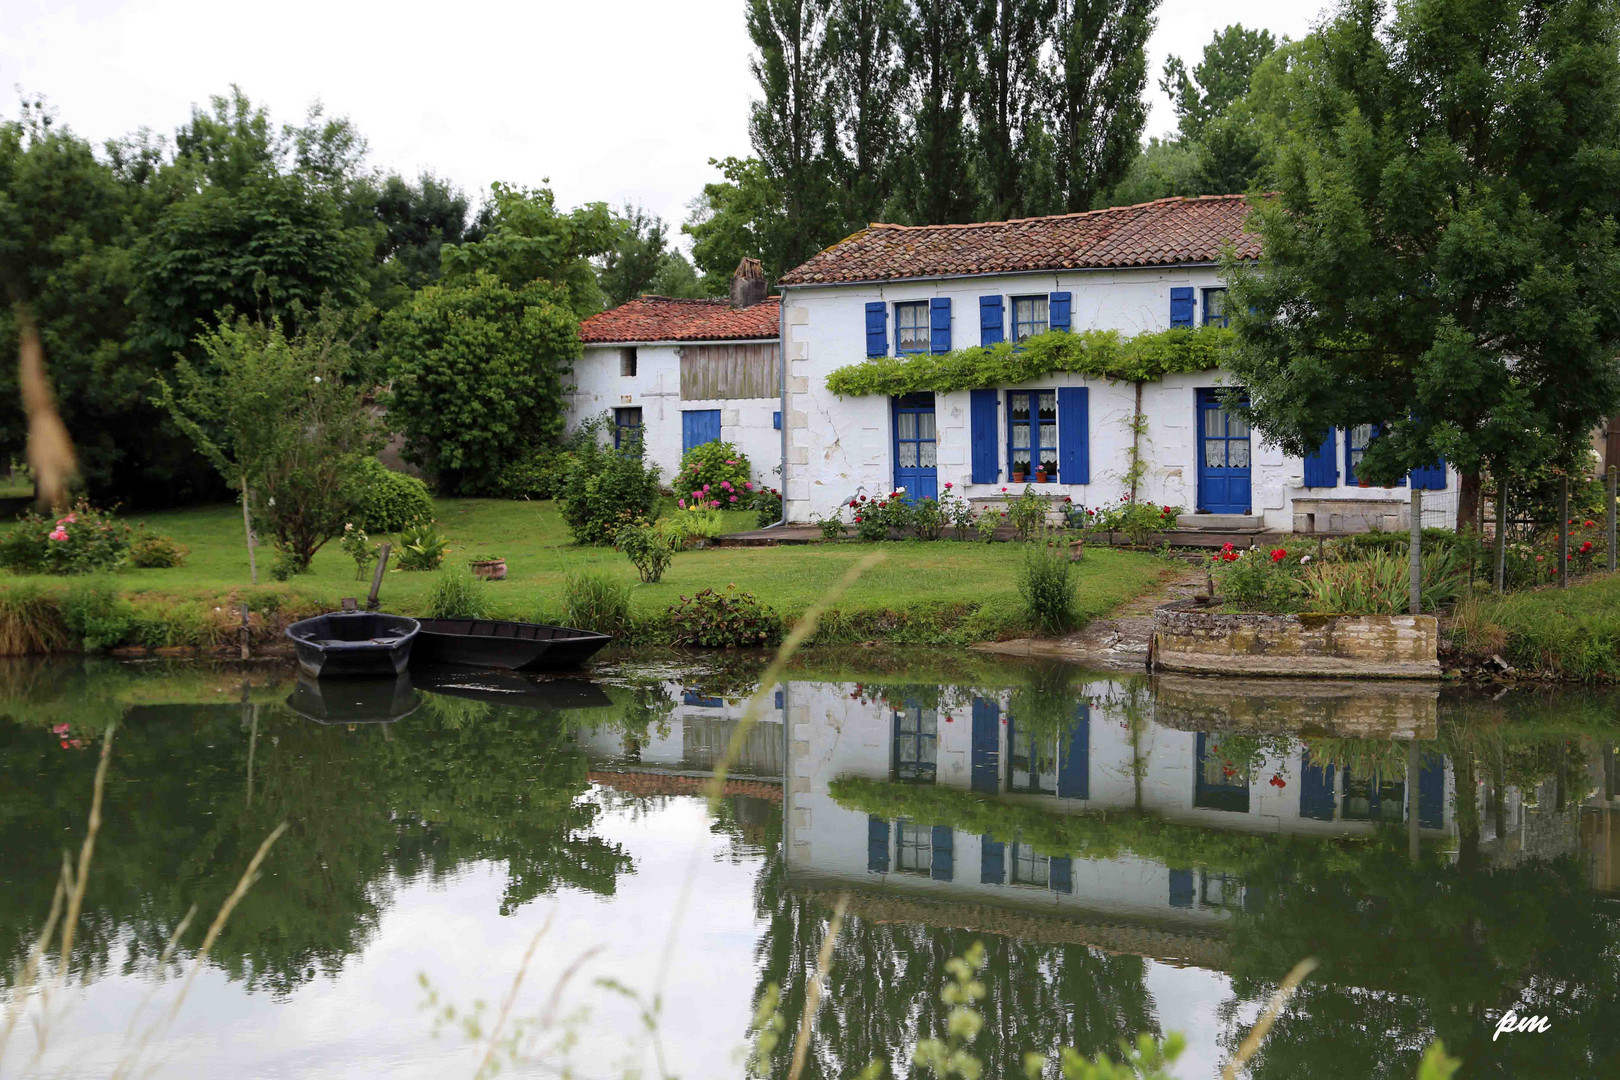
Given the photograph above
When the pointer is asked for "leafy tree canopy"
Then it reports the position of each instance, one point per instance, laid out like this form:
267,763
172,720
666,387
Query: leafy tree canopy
1441,256
1217,80
530,240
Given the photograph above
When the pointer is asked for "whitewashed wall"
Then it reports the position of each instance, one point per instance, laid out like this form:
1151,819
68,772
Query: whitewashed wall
840,447
656,389
832,733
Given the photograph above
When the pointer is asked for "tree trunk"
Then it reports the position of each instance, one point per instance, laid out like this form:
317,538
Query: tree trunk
247,527
1501,535
1468,500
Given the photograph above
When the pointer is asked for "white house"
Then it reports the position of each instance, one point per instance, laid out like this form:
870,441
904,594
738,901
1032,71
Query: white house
894,290
686,372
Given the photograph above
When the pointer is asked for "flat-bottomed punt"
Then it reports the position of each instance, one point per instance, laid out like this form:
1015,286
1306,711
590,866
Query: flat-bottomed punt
510,646
351,643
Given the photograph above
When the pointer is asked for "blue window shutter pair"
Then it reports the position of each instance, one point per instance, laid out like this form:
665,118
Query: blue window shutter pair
1074,766
992,861
1074,435
877,328
1322,467
1060,873
1430,477
942,868
983,418
877,845
939,324
1181,306
992,323
1058,311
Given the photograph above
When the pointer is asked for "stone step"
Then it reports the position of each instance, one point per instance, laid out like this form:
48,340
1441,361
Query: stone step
1221,522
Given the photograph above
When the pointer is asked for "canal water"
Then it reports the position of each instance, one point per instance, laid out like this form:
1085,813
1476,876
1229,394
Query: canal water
1134,854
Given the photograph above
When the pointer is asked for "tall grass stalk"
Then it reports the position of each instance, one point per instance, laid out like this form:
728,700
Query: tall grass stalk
30,621
597,603
457,594
1262,1027
812,991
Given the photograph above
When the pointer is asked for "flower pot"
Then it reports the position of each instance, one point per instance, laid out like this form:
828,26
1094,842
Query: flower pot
490,569
1361,483
1018,478
1040,476
1077,550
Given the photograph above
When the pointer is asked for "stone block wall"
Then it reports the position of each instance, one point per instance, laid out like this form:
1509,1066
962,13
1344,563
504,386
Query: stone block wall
1191,639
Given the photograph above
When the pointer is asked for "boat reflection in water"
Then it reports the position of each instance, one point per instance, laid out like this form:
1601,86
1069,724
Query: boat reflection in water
386,700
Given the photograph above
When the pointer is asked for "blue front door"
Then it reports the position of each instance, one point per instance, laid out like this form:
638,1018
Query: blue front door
914,447
699,426
1223,457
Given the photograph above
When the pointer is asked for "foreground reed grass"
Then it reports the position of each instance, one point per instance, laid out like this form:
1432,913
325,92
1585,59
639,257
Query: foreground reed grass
1571,634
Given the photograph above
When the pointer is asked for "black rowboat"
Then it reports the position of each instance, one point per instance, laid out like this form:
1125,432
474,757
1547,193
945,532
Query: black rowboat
349,643
511,646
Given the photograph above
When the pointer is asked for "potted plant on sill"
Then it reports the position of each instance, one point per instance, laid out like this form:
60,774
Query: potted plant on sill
1018,476
488,567
1040,475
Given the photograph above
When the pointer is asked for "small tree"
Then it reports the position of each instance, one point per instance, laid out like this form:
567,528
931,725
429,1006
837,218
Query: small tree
478,370
286,422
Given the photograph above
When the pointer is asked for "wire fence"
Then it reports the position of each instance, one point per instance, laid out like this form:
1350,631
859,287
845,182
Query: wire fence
1551,533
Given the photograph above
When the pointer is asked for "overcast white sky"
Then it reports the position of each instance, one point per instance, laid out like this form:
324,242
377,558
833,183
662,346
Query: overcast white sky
609,99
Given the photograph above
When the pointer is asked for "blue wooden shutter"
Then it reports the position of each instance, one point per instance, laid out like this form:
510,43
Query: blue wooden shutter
986,751
877,328
1060,874
992,327
1057,311
1074,434
1181,888
942,868
986,463
877,845
992,861
939,324
1074,768
776,420
1181,306
699,426
1315,790
1431,792
1430,477
1322,466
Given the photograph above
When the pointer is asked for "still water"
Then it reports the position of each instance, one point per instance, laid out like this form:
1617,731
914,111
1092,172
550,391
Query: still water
1137,855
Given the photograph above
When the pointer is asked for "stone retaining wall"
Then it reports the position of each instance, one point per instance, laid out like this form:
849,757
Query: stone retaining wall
1190,638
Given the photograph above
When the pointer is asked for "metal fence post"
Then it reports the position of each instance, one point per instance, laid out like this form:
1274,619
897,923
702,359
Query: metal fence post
1563,531
1501,535
1614,476
1415,547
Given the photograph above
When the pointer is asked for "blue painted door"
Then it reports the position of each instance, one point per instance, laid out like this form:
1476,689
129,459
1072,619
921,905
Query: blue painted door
915,462
699,426
1223,457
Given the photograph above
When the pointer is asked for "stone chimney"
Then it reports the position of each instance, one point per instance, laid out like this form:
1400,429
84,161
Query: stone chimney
747,283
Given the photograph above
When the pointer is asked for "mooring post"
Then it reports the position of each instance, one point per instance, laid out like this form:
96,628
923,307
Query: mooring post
1414,586
376,578
1614,477
1501,535
1563,531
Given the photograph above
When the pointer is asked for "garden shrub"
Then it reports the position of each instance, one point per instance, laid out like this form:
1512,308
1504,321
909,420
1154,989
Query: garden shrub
30,621
648,547
1381,583
597,603
832,526
96,616
458,594
729,619
606,487
928,519
538,474
389,501
689,523
767,506
85,540
1027,514
714,473
358,546
1045,581
958,512
1139,521
154,551
422,547
1258,580
288,563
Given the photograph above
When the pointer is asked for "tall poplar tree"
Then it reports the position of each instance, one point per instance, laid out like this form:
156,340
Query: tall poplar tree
1098,74
1005,96
1441,257
936,185
789,125
867,87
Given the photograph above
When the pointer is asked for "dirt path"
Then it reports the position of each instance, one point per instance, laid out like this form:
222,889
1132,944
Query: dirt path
1117,641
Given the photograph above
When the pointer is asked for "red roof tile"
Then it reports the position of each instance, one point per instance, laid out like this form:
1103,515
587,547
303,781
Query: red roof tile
662,318
1162,233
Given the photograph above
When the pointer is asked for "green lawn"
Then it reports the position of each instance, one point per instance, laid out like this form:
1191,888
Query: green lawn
967,588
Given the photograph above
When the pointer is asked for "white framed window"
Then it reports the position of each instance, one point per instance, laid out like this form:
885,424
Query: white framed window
1030,317
911,326
1028,868
914,848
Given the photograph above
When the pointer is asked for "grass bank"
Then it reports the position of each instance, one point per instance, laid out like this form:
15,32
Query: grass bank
1571,634
926,593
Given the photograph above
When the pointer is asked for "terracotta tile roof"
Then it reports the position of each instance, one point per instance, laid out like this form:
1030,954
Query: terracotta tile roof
662,318
1161,233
